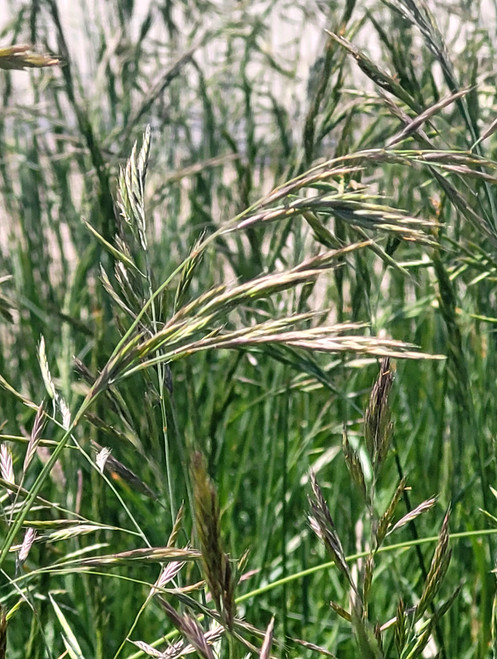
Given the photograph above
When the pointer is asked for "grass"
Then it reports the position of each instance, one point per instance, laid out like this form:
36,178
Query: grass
247,311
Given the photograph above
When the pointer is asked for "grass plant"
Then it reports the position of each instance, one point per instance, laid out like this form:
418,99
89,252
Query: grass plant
247,330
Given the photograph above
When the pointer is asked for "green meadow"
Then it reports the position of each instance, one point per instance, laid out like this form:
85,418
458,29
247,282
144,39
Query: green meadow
248,313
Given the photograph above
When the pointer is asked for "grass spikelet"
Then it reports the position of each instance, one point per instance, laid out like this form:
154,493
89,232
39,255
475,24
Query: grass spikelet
367,578
142,555
65,412
45,369
130,288
268,640
34,438
189,629
6,466
215,562
167,574
343,613
438,568
323,526
187,272
400,631
131,190
378,75
413,514
27,543
173,536
377,424
119,252
110,290
106,461
414,125
386,519
354,465
150,651
102,457
6,304
24,57
314,648
180,648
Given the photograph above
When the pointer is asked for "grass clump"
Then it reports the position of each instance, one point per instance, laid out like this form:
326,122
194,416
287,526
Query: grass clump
212,246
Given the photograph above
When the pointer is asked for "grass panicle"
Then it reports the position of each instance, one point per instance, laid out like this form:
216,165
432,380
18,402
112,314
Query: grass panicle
370,634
